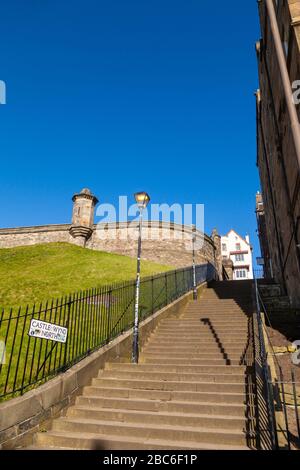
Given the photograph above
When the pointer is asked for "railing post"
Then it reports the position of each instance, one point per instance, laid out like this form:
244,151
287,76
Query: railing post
296,403
67,326
166,288
152,294
109,316
285,408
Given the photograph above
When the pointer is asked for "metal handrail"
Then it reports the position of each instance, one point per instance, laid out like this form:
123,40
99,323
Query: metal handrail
281,382
266,371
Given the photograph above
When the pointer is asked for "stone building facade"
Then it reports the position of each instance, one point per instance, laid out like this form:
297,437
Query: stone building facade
278,138
262,235
165,243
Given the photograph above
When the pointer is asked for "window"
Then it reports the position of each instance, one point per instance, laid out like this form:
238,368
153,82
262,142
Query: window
224,247
285,41
239,258
238,247
241,274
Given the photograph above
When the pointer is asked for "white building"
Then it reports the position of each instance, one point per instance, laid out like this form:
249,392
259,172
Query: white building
239,250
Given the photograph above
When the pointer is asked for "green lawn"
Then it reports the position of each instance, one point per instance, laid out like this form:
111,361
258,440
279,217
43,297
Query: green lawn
37,273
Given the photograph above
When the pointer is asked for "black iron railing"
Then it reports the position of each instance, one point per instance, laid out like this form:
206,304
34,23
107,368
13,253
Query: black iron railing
93,318
282,389
266,374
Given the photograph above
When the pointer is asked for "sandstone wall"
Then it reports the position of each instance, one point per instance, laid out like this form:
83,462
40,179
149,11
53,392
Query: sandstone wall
23,236
278,167
161,243
171,246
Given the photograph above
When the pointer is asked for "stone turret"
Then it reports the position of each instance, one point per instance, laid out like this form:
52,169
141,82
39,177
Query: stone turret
83,216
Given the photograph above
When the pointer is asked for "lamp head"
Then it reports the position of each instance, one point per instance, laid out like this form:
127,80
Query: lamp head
142,199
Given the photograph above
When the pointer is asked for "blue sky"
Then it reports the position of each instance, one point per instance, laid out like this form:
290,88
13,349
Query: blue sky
120,96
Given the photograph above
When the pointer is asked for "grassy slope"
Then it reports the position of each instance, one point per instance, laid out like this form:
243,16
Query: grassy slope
36,273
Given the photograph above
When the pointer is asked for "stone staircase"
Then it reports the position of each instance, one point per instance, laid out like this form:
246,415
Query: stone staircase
193,387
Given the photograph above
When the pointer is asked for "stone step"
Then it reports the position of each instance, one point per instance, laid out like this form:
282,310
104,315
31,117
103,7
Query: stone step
238,302
227,318
220,305
146,384
212,343
198,320
218,341
212,303
196,337
201,343
61,440
200,347
206,358
150,431
245,301
209,339
161,418
212,337
164,395
218,316
173,376
207,353
176,368
219,309
195,362
139,404
199,330
201,321
195,349
229,300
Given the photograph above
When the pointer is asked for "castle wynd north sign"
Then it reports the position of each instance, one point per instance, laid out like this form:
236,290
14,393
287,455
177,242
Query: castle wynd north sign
49,331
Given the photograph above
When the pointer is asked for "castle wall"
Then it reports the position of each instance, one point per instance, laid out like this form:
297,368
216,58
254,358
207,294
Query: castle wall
162,243
170,245
23,236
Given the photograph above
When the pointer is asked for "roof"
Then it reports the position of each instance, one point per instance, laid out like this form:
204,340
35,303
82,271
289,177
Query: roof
242,238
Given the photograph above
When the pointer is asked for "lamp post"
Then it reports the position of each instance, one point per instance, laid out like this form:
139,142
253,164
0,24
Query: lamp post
142,199
195,295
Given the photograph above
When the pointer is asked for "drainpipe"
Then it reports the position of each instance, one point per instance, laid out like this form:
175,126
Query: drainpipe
284,77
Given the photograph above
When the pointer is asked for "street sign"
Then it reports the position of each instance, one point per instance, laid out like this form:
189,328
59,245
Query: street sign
49,331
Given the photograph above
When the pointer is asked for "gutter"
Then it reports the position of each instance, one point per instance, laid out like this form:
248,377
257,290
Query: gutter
291,107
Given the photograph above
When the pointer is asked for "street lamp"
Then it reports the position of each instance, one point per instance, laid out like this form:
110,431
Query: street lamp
195,294
142,199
